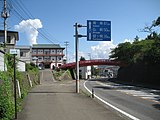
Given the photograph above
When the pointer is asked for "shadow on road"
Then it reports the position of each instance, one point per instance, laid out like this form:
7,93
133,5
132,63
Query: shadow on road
123,85
157,106
44,92
103,87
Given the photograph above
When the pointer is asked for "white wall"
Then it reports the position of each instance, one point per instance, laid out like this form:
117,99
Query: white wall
2,62
21,66
85,72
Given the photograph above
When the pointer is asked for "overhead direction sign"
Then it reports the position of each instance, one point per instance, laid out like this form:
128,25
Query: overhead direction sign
98,30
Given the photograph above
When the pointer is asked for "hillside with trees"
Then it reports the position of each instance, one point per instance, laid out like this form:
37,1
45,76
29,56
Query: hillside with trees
142,57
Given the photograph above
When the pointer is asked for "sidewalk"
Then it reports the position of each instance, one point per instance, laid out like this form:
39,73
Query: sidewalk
59,101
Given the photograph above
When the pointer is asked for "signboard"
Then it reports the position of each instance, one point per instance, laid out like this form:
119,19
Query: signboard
98,30
14,51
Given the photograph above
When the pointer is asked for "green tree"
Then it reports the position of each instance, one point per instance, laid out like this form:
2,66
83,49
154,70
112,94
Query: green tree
122,52
82,58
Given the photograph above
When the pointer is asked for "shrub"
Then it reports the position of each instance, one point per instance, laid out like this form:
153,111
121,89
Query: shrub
6,99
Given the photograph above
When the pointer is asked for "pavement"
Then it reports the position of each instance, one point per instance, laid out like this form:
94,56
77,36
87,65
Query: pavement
58,101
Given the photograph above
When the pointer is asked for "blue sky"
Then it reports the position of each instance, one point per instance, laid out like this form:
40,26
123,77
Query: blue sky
59,16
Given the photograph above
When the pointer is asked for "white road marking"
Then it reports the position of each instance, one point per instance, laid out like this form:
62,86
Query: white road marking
137,93
110,105
144,95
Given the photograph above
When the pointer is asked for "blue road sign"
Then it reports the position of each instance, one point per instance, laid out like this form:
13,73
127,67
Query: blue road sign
98,30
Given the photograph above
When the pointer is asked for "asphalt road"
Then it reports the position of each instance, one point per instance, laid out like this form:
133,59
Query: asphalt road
136,102
53,100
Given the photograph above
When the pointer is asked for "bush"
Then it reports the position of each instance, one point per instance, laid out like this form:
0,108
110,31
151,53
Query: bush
6,87
6,98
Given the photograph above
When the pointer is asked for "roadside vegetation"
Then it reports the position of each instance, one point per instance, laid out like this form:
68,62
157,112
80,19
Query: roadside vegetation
7,87
61,75
141,56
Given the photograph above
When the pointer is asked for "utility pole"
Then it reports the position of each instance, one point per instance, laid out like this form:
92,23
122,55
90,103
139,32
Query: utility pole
66,44
5,15
76,50
89,54
77,62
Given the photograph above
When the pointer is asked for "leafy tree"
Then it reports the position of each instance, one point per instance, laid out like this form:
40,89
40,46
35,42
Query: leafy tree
145,51
82,58
122,52
136,38
157,22
150,29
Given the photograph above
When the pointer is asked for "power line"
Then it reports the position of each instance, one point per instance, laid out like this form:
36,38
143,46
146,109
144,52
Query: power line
19,9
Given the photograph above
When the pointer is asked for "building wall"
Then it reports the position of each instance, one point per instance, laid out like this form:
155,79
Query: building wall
21,66
52,55
24,54
1,61
85,72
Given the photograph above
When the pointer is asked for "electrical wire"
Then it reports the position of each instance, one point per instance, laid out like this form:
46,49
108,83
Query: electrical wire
21,11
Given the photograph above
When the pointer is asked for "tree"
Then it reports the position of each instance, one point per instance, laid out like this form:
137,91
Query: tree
122,52
82,58
136,38
157,22
149,28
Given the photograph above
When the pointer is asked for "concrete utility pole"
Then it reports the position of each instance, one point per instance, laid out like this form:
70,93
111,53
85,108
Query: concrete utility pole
66,44
5,15
77,45
77,62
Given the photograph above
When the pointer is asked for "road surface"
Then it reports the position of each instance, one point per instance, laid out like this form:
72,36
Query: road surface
134,102
54,100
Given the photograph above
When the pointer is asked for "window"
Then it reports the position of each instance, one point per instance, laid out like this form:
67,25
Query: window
34,51
39,58
8,39
1,39
22,54
59,58
46,51
53,51
47,58
40,51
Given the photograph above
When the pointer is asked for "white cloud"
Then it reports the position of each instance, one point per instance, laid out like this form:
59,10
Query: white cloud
80,53
128,40
102,50
30,27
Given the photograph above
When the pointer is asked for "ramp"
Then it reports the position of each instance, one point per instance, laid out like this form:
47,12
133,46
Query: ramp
46,77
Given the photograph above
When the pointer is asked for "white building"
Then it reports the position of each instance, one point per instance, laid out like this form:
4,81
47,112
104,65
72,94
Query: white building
47,55
85,72
2,61
21,66
25,53
12,38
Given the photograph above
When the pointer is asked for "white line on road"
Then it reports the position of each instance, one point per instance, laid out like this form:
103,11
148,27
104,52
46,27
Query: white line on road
110,105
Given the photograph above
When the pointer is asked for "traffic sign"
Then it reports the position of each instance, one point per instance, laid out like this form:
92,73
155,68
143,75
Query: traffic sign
14,51
98,30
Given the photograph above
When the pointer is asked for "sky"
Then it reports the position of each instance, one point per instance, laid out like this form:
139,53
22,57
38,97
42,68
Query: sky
53,22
